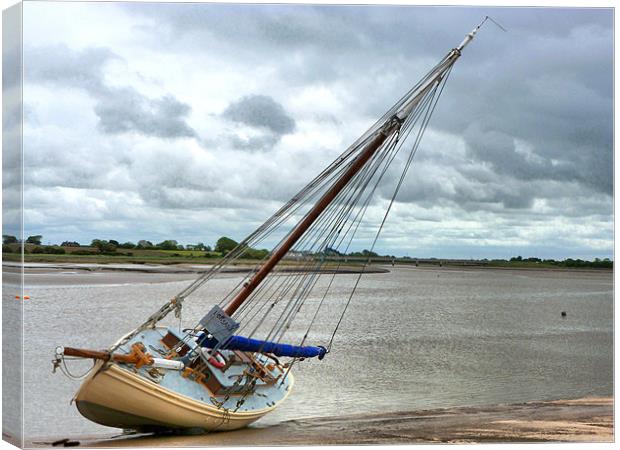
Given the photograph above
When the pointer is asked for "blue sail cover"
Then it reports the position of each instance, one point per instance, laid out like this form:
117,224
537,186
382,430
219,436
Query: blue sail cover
256,345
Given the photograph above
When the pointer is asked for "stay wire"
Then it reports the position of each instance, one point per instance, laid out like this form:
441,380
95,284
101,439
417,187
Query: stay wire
348,208
410,159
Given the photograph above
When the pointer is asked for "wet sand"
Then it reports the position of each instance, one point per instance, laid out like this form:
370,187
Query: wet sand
73,274
37,274
580,420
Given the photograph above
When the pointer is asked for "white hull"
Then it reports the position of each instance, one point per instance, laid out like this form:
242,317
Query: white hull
116,397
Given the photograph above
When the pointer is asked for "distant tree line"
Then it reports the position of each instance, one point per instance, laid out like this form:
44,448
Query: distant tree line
110,246
364,253
598,263
8,239
107,246
224,245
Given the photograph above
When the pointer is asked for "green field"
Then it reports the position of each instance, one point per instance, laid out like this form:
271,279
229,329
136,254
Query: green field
106,259
131,256
522,264
137,256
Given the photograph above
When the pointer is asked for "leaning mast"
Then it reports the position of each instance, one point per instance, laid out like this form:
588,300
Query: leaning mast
390,127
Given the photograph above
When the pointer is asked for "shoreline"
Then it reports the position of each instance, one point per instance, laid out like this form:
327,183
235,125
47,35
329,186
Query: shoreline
65,274
187,267
588,419
177,268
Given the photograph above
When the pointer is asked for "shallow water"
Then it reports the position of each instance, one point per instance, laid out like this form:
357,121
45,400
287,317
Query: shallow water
412,339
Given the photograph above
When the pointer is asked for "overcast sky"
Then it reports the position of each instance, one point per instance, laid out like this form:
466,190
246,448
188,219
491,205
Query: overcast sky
189,121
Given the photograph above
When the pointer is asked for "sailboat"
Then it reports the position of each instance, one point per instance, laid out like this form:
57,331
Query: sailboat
234,366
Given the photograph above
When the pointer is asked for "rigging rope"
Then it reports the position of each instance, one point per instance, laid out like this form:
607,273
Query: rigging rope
338,224
412,153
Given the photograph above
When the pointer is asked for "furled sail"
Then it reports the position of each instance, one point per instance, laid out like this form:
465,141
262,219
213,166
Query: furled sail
259,346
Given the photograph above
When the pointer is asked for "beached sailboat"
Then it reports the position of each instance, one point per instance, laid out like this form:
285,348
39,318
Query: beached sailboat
233,367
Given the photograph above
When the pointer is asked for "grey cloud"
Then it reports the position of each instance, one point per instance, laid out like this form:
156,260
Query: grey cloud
252,26
343,35
542,95
264,142
260,111
75,68
119,109
468,186
125,110
499,150
546,82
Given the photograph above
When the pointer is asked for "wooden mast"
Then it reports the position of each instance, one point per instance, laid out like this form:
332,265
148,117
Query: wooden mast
390,126
313,214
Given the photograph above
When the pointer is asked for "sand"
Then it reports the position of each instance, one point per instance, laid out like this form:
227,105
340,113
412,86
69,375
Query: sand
580,420
73,274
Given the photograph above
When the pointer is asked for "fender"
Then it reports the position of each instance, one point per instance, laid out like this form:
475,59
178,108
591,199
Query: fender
217,360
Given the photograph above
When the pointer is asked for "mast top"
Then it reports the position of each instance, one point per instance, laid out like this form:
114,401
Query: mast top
473,32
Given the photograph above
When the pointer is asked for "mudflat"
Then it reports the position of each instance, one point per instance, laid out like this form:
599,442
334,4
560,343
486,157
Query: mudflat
579,420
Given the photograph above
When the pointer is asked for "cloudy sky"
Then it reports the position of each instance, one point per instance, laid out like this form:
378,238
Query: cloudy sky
189,121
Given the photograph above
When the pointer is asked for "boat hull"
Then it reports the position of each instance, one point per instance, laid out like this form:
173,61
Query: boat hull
115,397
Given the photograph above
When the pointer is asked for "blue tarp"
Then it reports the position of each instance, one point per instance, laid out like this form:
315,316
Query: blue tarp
255,345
